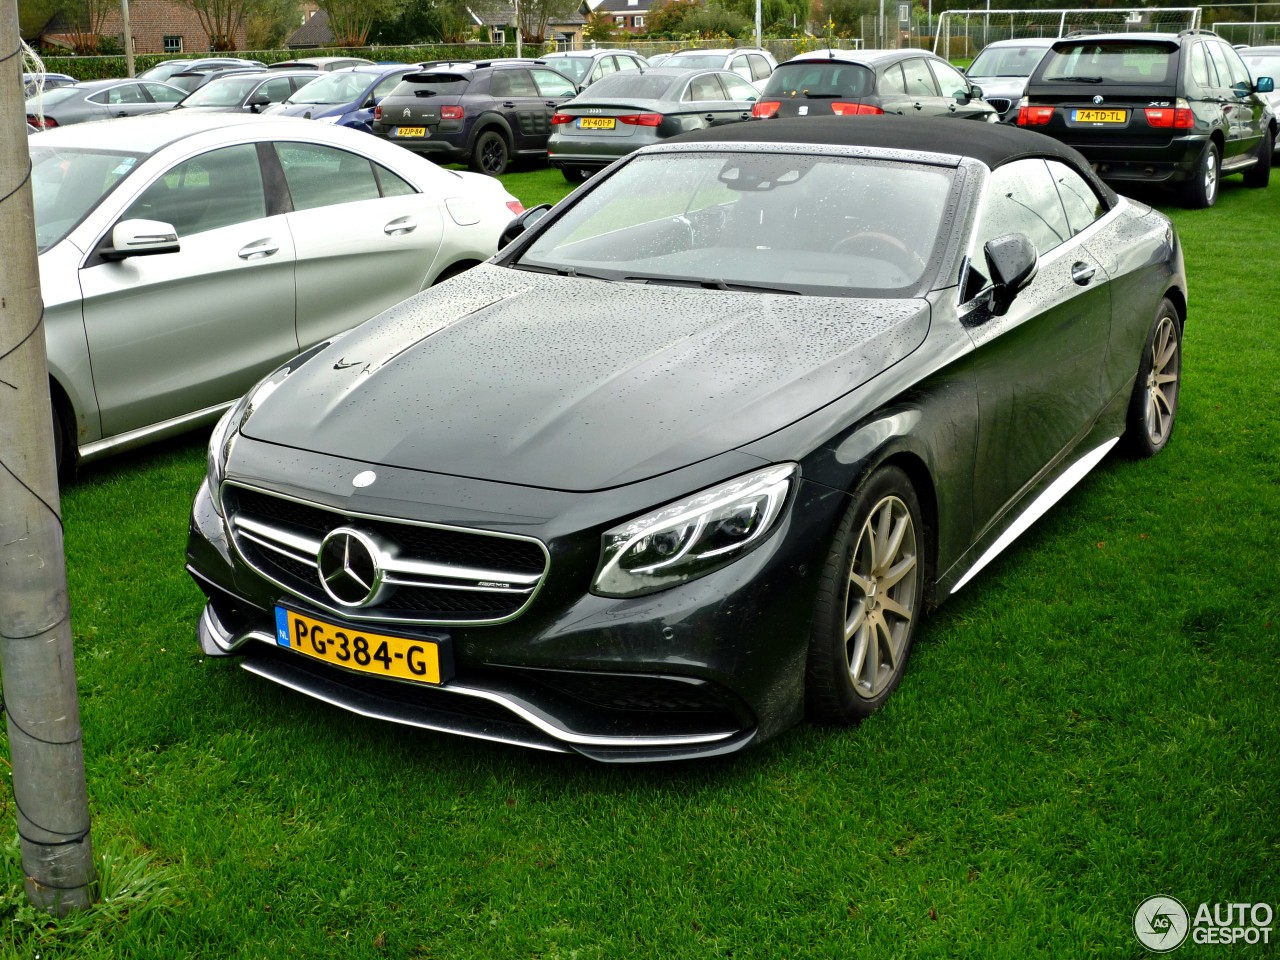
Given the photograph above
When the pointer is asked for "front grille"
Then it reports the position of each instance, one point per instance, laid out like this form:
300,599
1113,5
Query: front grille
431,574
1002,104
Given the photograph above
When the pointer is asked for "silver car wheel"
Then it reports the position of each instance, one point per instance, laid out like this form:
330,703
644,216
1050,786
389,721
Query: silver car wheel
1162,381
880,596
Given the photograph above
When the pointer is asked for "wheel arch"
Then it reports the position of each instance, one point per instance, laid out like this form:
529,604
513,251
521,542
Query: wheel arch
490,121
1175,296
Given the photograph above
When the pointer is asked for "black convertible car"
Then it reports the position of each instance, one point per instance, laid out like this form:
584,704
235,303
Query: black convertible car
694,454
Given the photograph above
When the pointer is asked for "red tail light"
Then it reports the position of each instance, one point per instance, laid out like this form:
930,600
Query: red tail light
641,119
1178,118
558,118
41,123
377,113
516,207
450,113
841,109
1034,116
764,109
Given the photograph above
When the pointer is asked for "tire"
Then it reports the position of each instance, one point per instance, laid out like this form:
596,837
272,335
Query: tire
490,154
573,174
64,449
1153,408
1259,175
869,604
1202,189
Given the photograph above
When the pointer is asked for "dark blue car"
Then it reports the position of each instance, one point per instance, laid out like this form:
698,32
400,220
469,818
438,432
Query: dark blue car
345,97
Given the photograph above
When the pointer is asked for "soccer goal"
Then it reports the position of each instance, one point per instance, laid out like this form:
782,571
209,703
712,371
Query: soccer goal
962,33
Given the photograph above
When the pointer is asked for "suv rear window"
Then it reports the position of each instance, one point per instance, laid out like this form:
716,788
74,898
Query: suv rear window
431,85
1126,62
820,79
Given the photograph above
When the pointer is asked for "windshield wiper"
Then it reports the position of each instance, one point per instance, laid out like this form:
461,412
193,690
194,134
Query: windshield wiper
1074,79
561,271
709,284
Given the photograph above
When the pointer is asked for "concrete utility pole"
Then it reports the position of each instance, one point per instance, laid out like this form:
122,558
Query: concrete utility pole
39,681
128,37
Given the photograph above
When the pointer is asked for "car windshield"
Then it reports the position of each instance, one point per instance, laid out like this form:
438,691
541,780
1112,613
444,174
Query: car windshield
575,68
776,222
1006,61
821,78
695,61
641,86
332,88
225,92
66,183
1112,62
1262,64
52,98
186,81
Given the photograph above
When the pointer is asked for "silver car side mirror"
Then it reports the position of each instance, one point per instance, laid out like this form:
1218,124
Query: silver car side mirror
135,238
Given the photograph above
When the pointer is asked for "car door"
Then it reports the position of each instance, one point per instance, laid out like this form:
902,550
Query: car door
162,92
923,98
554,88
1040,366
1247,110
954,89
1235,112
275,90
365,238
122,100
174,333
520,104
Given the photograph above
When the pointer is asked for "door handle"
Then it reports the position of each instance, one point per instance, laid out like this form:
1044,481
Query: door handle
400,226
508,103
711,118
919,105
1081,272
258,249
123,113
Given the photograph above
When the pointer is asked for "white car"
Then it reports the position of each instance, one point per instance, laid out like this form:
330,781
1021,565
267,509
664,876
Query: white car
183,257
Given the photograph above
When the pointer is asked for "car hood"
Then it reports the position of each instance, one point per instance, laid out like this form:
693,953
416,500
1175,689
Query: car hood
312,111
578,384
1009,88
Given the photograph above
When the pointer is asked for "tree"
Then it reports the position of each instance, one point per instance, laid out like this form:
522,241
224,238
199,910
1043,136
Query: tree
425,21
268,23
536,14
221,20
774,14
667,16
351,20
600,27
86,17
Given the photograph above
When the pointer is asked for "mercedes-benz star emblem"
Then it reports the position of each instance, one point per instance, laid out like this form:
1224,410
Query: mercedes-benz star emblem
1097,98
350,571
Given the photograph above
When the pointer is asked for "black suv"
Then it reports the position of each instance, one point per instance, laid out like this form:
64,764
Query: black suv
1155,108
482,113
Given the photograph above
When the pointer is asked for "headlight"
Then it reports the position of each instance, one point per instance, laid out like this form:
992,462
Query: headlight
228,428
692,537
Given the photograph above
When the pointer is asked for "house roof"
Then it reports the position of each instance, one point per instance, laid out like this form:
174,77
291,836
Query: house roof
623,6
314,33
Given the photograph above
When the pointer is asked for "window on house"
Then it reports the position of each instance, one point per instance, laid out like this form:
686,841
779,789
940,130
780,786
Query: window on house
172,44
497,36
620,21
637,21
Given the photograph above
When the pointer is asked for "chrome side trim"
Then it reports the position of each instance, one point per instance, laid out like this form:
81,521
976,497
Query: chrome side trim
152,432
1038,507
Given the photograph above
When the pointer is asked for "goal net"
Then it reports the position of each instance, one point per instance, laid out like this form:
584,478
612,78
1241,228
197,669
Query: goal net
962,33
1258,33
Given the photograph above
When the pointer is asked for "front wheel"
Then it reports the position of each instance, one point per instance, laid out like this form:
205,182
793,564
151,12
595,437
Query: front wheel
490,154
870,601
1154,404
1202,189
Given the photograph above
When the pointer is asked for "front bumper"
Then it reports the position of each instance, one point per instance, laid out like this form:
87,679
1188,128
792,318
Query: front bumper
704,668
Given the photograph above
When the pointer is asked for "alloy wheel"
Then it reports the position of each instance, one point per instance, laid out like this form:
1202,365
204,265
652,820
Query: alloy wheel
1163,380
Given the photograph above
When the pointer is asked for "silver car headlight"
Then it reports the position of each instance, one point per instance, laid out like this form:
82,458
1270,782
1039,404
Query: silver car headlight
692,537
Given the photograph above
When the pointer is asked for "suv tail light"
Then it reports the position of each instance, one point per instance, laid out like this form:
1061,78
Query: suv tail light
764,109
558,118
842,109
1029,116
641,119
451,113
377,112
1178,117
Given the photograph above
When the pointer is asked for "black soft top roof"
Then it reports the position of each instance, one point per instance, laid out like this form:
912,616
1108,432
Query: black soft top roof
993,144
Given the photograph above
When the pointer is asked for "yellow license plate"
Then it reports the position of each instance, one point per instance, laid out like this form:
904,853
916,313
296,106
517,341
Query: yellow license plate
411,132
596,123
1100,116
358,649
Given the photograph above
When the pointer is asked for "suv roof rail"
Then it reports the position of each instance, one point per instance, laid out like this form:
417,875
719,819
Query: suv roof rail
1198,32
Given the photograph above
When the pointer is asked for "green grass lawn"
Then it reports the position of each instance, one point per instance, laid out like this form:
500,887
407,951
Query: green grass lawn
1093,720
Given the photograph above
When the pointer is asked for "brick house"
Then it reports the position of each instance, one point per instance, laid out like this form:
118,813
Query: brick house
627,15
499,21
158,26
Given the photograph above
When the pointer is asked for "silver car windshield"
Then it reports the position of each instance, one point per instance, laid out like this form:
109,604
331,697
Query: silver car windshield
335,88
67,183
781,222
226,92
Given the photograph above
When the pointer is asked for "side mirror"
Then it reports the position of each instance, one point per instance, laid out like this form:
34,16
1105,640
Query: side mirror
1265,85
1013,262
975,92
258,102
522,223
137,238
